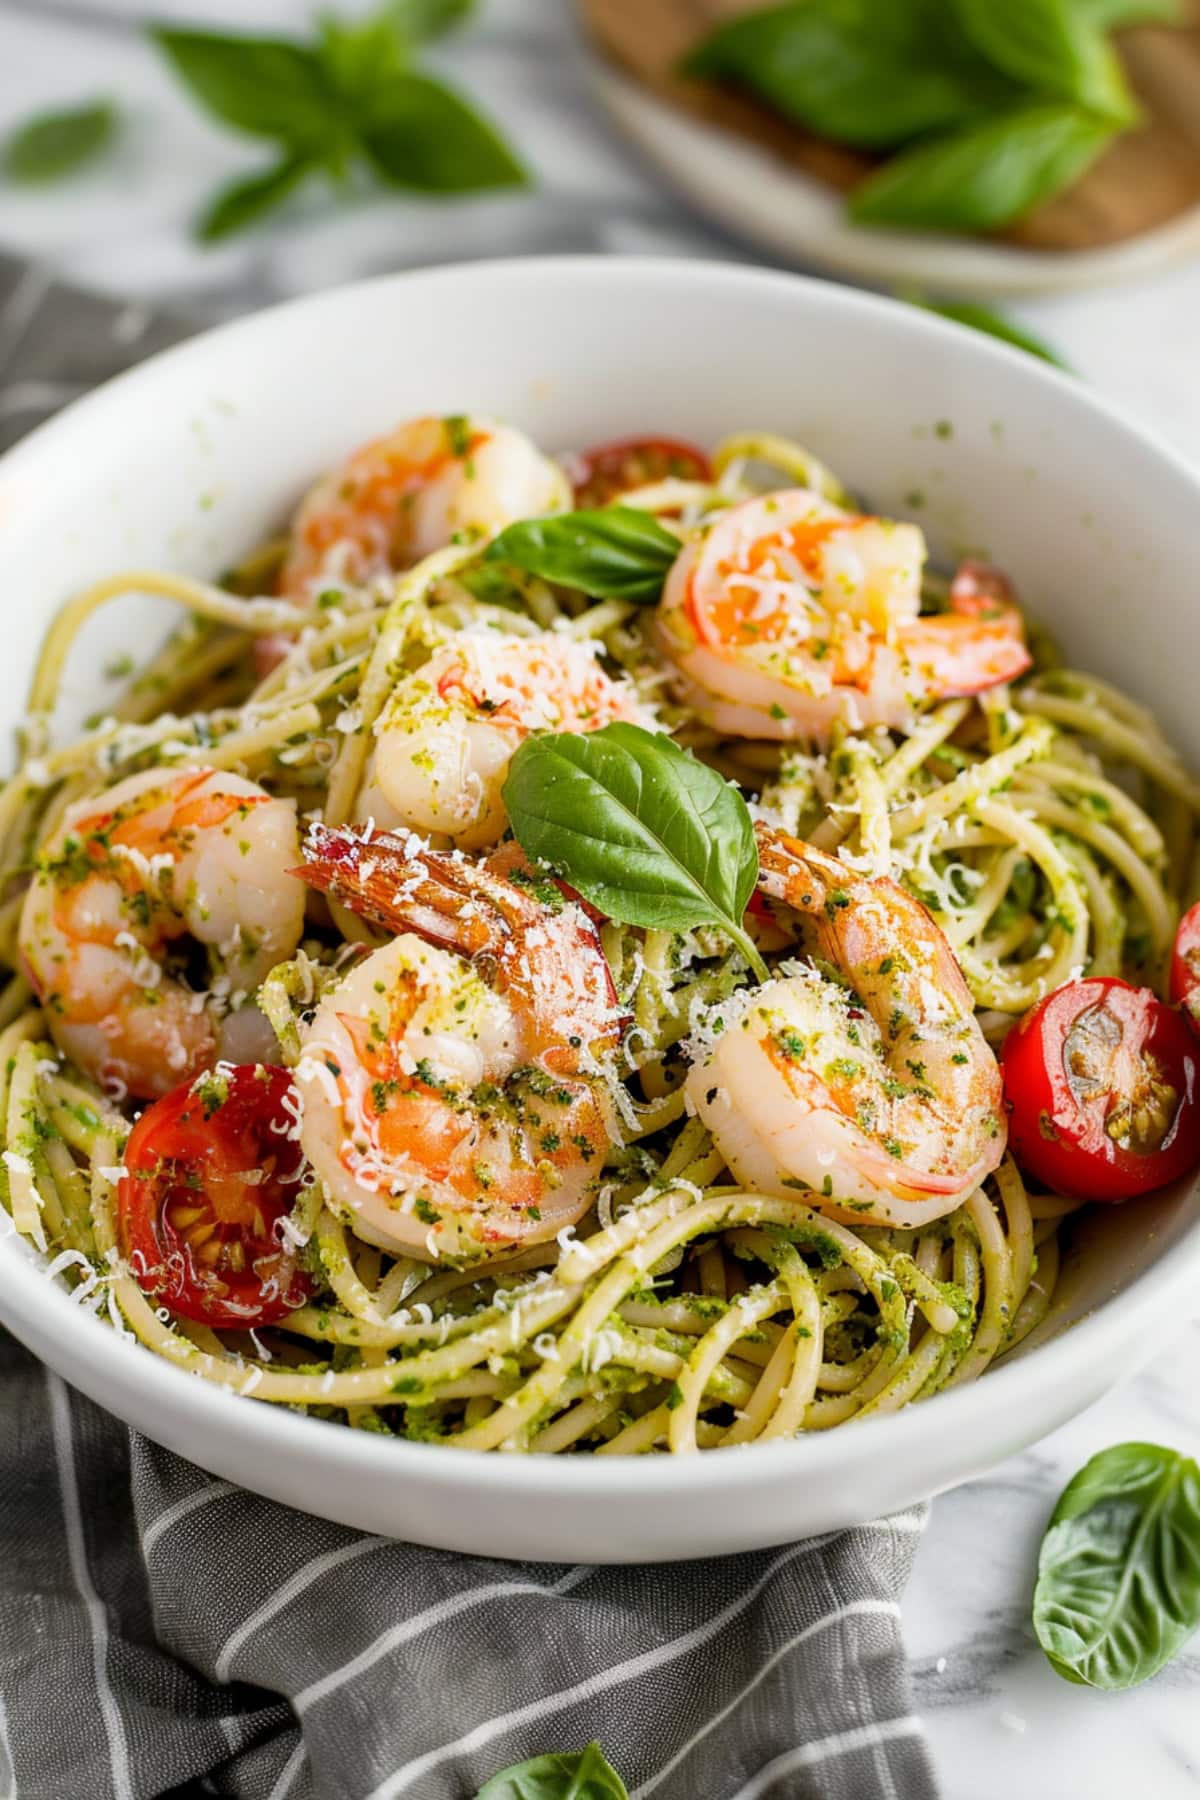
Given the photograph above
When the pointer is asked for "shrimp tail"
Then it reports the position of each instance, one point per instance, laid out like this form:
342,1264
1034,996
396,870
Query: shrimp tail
810,882
795,872
980,642
397,883
394,882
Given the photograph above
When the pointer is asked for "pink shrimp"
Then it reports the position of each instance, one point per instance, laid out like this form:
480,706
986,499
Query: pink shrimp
165,861
407,494
790,616
446,737
452,1089
874,1095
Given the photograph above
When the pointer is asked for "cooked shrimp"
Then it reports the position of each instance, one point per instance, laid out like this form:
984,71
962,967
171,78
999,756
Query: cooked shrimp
873,1086
452,1096
790,616
167,875
407,494
447,735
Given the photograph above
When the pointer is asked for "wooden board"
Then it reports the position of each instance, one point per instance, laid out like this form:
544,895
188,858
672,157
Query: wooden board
1146,178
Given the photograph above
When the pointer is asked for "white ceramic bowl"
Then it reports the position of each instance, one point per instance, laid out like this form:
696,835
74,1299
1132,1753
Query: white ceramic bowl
194,456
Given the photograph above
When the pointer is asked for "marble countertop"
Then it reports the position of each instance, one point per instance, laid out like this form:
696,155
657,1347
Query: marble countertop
1000,1722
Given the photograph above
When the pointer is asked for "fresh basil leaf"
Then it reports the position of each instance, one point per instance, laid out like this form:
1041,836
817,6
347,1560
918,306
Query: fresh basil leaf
493,586
361,56
420,134
1118,1587
418,21
269,87
992,324
872,73
1111,15
57,143
614,553
984,176
244,203
586,1776
642,829
1051,47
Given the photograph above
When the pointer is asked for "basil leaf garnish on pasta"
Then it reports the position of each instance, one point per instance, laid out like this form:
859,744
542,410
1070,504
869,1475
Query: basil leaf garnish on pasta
1118,1587
643,830
583,1775
616,553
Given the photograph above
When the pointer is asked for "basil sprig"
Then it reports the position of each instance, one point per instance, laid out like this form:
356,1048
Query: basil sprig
991,108
586,1775
616,553
351,97
55,144
1118,1587
643,830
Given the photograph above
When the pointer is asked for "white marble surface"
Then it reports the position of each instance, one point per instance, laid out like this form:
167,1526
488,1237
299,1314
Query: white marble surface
1000,1722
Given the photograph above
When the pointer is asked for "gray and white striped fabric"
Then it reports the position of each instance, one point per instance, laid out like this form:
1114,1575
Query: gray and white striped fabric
164,1633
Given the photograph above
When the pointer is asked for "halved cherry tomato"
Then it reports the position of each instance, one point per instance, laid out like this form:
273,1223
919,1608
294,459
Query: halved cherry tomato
601,474
1103,1084
766,924
210,1170
1185,966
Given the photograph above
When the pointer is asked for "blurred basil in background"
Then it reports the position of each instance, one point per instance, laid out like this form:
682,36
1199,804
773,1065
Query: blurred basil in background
985,108
351,99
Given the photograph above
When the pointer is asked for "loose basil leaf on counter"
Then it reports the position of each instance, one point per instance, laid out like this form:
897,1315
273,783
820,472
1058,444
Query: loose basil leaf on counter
587,1775
417,21
420,134
984,176
992,324
242,203
359,57
269,87
57,143
860,72
1118,1587
642,829
615,553
1050,46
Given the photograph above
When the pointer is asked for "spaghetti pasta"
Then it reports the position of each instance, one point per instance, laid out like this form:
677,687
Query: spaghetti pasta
1043,823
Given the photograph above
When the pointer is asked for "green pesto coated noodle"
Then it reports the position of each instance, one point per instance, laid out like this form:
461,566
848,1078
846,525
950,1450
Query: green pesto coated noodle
1045,825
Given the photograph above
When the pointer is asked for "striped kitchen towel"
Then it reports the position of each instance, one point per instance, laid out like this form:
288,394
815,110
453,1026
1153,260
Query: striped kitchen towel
165,1633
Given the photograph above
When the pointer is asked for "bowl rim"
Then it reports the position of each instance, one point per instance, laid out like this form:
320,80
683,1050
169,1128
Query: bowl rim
119,1365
